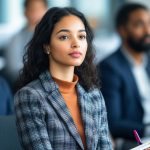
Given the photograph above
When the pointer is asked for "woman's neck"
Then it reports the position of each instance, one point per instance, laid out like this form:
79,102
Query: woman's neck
62,72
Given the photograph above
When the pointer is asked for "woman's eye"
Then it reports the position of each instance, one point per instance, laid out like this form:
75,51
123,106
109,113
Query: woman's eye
63,37
82,37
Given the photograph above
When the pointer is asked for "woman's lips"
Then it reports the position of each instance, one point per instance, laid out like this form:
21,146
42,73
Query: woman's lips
75,54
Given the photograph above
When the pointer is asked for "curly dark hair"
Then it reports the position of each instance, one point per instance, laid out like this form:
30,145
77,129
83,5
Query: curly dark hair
36,60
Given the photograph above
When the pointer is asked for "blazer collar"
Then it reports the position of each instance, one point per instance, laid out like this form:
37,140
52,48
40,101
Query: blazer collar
56,99
47,82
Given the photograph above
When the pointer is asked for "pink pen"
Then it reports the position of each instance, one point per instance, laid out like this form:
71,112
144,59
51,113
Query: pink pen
137,137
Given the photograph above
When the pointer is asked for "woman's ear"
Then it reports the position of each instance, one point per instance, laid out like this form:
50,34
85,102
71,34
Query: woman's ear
46,49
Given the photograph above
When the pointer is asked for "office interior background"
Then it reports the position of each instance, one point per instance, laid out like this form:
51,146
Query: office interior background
100,13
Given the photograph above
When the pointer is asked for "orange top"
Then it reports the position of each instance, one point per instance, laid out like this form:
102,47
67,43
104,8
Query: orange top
69,94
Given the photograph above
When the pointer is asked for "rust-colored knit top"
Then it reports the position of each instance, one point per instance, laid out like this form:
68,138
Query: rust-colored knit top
69,94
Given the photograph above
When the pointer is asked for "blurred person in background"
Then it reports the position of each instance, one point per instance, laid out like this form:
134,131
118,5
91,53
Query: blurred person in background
34,11
125,75
6,98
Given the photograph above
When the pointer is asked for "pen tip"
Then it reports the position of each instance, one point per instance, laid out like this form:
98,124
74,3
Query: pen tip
134,131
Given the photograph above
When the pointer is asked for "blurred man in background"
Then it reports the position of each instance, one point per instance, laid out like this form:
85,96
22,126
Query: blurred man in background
125,75
34,11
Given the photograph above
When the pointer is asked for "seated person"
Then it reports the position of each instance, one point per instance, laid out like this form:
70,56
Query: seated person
125,75
34,11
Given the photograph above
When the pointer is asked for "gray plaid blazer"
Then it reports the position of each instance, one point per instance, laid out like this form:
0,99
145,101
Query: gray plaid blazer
45,123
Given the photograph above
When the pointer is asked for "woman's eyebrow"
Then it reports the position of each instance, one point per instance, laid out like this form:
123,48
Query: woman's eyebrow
63,30
66,30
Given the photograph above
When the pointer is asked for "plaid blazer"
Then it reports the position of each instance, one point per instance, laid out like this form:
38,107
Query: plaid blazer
45,123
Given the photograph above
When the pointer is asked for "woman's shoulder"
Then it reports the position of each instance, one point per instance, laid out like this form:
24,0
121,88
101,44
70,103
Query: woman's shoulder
95,92
30,96
96,97
33,88
33,85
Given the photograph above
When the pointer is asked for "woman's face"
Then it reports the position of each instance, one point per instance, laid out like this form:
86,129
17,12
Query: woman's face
68,44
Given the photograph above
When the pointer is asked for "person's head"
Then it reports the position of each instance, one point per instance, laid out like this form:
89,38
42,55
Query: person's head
68,44
64,37
133,25
34,11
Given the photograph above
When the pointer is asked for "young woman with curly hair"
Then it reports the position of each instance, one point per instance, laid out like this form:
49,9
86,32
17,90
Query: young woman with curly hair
59,105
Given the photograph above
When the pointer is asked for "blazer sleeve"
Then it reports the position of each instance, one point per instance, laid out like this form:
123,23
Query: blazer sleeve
112,92
30,120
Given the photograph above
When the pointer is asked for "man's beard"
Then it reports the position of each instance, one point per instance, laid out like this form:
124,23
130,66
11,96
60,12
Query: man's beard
139,45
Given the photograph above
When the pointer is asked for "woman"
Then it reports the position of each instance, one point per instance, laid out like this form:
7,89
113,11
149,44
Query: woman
60,106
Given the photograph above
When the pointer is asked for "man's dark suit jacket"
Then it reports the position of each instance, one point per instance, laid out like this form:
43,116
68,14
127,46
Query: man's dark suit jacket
6,99
123,102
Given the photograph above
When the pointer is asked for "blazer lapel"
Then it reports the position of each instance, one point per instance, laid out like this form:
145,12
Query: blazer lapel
87,117
59,105
130,78
57,101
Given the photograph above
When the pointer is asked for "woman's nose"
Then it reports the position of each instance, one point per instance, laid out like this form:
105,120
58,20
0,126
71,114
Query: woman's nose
75,44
